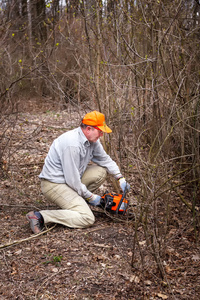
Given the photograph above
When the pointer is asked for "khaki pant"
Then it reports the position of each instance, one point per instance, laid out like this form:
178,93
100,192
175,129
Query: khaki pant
74,212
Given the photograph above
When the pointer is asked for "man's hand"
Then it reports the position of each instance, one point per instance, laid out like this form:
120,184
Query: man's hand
124,185
94,200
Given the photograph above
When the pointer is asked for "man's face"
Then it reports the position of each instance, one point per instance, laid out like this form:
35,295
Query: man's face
93,134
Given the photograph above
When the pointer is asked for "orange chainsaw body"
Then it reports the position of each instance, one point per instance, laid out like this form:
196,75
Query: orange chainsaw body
111,203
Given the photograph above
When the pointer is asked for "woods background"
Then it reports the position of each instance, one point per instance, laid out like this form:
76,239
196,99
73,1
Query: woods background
136,61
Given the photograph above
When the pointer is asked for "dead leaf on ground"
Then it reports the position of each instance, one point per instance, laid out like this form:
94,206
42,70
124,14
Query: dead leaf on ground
162,296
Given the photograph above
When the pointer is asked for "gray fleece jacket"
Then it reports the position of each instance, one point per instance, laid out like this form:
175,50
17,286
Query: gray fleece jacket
68,158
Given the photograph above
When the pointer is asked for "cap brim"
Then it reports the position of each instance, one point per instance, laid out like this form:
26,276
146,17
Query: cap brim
105,128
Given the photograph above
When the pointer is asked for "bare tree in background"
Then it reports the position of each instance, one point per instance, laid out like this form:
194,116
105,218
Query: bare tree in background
38,17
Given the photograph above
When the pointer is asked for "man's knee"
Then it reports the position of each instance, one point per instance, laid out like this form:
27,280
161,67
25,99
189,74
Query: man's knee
88,220
94,177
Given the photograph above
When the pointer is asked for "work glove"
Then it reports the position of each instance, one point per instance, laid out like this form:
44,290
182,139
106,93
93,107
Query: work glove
124,185
94,199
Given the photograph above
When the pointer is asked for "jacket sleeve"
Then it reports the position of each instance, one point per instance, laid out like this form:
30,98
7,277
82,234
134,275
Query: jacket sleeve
70,160
101,158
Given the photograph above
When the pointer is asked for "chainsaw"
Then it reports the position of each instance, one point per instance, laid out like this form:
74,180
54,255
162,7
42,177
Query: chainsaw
114,203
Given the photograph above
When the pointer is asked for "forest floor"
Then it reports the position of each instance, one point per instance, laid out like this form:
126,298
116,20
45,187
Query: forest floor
93,263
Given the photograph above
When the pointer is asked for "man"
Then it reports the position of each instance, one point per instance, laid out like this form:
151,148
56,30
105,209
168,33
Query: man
69,181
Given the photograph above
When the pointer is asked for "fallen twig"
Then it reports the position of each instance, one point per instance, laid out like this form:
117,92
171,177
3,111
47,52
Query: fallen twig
26,239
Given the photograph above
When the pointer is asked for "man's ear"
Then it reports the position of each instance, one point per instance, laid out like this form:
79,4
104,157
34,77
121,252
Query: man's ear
89,128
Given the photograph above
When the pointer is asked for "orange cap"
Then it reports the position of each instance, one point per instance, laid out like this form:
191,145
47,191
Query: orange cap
95,118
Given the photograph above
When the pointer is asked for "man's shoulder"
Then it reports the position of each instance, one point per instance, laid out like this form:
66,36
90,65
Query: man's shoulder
73,137
69,133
